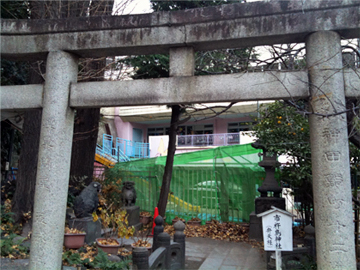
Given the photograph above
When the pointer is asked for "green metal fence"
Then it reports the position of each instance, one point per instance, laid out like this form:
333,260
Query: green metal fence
219,183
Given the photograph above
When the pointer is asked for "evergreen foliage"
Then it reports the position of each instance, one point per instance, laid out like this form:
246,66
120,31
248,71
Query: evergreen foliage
6,140
101,261
284,130
149,66
10,246
14,9
14,73
206,63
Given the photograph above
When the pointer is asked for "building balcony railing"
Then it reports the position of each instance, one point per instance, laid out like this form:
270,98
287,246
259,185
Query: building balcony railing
208,139
123,150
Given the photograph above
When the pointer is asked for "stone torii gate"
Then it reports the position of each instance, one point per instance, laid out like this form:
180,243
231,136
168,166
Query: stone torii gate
320,24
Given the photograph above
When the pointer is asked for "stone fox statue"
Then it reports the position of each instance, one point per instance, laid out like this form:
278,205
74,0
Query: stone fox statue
86,203
128,193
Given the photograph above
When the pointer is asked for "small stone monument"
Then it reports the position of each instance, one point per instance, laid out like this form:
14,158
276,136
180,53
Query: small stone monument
129,198
265,202
84,205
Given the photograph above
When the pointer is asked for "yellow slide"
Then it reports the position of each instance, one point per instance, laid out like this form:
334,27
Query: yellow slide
103,160
181,203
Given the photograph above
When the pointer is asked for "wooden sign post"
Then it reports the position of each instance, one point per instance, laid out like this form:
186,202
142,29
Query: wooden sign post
277,232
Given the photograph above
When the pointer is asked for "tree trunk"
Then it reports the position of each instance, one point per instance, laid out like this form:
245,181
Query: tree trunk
86,127
165,187
23,199
84,144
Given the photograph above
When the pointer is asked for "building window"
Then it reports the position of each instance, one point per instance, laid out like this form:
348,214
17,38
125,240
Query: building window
239,126
182,130
202,129
157,131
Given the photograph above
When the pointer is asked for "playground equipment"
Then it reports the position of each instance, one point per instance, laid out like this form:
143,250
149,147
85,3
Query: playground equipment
103,158
124,150
185,205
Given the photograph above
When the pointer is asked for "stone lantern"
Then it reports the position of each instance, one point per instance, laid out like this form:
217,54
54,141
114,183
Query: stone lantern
270,192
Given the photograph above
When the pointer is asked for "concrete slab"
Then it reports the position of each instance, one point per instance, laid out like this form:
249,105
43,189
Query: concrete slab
254,260
230,267
8,264
224,255
211,263
243,248
193,263
235,260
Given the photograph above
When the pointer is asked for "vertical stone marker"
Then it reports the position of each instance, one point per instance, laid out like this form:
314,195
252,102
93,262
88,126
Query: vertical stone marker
52,178
182,61
330,153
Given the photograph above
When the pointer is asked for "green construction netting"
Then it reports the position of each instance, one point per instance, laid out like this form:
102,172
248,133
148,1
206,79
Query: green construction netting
219,183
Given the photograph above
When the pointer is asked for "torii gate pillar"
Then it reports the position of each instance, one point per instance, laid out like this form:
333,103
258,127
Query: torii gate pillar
334,227
53,169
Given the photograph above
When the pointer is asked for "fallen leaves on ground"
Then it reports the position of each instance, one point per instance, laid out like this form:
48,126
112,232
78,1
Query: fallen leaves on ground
177,219
73,231
89,252
229,231
17,255
145,214
108,242
141,243
195,219
124,252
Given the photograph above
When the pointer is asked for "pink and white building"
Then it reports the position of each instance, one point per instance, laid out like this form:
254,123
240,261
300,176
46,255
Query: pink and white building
150,124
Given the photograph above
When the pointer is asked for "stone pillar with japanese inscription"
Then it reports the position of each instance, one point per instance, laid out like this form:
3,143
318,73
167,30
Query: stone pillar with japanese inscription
52,179
330,153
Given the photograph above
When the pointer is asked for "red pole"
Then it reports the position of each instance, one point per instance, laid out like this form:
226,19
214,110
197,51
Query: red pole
156,213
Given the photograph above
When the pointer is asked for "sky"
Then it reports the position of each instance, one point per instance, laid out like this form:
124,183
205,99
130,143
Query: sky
135,6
